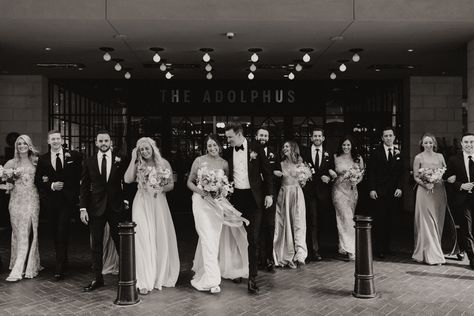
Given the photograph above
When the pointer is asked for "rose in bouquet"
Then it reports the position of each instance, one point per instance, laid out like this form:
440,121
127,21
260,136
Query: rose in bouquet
10,175
303,173
353,175
158,178
431,176
214,182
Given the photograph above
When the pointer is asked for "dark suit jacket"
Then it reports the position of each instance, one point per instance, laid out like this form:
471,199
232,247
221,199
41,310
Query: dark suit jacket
461,198
384,177
70,175
259,171
274,161
316,186
98,195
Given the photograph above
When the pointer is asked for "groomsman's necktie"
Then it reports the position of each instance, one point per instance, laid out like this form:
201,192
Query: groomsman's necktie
390,156
316,159
471,169
59,164
103,168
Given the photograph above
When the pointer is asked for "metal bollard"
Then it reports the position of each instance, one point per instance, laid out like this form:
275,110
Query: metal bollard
364,277
127,293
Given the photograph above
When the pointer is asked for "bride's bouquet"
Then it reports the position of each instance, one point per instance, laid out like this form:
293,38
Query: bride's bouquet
353,175
214,182
303,173
431,175
10,175
157,178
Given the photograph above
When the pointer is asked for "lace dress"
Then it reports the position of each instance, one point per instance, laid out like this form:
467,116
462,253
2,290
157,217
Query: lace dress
156,253
24,214
222,246
344,198
289,241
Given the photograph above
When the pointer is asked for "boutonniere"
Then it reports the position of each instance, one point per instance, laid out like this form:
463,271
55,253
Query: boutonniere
253,155
326,154
45,179
396,151
117,159
271,156
67,155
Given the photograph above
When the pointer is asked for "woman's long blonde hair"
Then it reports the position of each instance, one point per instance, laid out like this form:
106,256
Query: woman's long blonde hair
32,151
158,161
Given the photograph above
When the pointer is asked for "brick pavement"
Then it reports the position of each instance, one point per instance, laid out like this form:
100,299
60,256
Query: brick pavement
323,288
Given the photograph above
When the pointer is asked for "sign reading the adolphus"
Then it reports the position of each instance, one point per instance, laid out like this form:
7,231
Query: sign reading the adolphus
228,96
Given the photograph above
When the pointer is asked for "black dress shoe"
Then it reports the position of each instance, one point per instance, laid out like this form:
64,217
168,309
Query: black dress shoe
317,257
252,286
460,256
343,257
237,280
58,276
380,255
270,267
93,285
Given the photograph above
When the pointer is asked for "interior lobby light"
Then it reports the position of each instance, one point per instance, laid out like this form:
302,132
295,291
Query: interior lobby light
251,76
332,75
127,75
209,76
342,66
163,67
291,76
306,57
107,50
253,68
208,67
117,66
356,56
298,67
168,75
156,56
254,57
206,57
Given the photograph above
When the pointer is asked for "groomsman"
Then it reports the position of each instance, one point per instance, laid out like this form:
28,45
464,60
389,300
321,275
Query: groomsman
462,166
316,192
385,183
101,200
252,176
268,217
57,177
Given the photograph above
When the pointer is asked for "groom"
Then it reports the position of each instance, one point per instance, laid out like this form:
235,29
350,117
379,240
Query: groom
101,200
250,171
57,178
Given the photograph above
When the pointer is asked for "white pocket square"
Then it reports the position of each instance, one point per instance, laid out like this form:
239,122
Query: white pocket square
69,162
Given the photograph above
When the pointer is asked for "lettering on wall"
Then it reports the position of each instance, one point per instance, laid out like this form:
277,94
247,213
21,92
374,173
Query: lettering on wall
228,96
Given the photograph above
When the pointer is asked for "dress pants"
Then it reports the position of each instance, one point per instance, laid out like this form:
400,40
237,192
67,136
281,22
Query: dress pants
60,212
244,201
267,231
314,207
384,208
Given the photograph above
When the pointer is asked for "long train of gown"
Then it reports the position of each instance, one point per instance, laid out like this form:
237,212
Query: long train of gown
435,232
222,246
289,239
156,248
24,210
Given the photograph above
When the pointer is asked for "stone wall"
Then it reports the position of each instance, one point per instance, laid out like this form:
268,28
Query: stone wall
24,108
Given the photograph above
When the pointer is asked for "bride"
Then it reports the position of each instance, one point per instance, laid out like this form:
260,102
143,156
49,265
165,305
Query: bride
156,254
222,246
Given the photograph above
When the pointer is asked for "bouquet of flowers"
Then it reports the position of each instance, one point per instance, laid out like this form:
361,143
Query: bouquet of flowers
303,173
10,175
431,175
353,175
215,182
158,178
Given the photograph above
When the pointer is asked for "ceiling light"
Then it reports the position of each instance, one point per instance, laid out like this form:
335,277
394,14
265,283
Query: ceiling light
298,67
253,67
356,56
127,75
117,66
254,58
306,57
206,57
107,51
342,67
410,50
377,69
156,56
209,76
291,76
47,48
332,75
168,75
163,67
251,76
208,67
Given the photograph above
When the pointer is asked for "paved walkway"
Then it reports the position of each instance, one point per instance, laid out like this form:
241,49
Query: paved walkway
323,288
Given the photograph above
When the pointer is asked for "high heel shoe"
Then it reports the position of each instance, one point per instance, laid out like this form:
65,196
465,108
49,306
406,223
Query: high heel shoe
12,279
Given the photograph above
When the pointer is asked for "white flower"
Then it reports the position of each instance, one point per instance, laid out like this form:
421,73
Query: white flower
45,179
326,154
67,155
271,156
253,155
117,159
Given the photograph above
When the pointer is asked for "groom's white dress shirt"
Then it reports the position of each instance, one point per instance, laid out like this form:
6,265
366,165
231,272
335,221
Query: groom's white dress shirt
241,172
109,161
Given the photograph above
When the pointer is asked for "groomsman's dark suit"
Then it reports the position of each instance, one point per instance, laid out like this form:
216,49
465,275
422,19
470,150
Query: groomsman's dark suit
251,201
317,196
104,201
384,177
64,167
268,217
463,202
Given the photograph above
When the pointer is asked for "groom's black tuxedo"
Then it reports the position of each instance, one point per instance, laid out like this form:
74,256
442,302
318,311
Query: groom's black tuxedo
251,201
104,202
59,204
463,203
384,177
317,197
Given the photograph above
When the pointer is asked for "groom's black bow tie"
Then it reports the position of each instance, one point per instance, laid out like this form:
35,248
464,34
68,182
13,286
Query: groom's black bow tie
241,147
